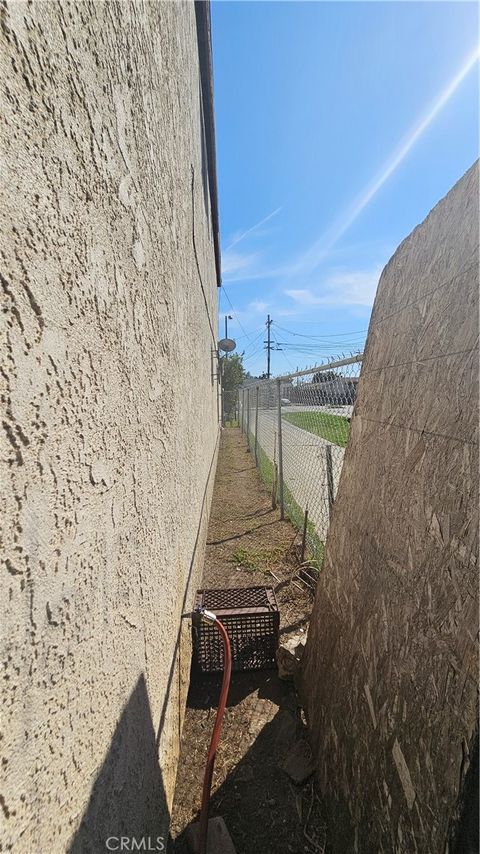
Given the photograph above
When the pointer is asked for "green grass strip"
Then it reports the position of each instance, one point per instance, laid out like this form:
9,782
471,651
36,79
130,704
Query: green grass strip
333,428
293,509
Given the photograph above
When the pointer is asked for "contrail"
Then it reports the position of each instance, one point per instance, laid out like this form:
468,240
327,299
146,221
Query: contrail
317,252
249,230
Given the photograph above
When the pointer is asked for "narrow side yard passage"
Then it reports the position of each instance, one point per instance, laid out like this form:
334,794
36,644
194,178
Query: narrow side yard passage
263,809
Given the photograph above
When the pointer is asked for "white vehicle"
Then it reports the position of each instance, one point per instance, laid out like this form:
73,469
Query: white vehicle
285,401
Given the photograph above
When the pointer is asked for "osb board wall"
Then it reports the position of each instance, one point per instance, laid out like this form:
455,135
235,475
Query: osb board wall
390,673
109,412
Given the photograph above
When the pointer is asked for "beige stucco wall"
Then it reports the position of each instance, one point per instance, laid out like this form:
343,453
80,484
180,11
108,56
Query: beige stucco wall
390,674
109,411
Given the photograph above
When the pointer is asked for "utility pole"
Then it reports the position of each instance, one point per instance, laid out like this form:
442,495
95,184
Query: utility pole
269,346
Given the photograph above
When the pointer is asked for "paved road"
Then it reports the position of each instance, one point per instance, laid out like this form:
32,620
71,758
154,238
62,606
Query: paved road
304,462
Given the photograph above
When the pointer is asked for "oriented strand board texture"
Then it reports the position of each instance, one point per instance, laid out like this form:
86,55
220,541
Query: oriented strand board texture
390,673
109,412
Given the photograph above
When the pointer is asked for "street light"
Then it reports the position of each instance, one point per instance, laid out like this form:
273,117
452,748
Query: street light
226,345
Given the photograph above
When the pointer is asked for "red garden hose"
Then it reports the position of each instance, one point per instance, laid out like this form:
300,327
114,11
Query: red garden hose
207,780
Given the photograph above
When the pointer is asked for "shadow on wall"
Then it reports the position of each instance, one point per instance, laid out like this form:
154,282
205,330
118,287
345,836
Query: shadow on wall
205,185
128,797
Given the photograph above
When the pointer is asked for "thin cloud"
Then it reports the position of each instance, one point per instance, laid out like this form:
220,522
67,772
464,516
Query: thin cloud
251,229
258,305
347,288
235,262
278,273
320,249
247,269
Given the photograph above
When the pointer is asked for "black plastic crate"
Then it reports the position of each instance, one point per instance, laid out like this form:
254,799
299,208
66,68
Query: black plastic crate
252,620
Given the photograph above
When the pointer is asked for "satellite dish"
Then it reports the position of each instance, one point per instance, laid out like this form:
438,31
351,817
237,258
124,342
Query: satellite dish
227,345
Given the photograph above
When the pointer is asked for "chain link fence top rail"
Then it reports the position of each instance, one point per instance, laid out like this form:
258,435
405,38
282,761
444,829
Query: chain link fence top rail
297,428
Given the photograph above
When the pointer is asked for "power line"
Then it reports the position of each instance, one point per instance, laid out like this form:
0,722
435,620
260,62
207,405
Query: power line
325,336
339,345
326,342
252,342
254,354
269,346
288,361
324,345
281,350
313,351
342,343
251,332
235,313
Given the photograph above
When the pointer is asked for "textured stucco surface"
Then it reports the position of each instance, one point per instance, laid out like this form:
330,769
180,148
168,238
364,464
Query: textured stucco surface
390,669
109,411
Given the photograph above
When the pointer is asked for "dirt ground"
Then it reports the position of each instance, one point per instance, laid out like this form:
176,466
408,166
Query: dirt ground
263,809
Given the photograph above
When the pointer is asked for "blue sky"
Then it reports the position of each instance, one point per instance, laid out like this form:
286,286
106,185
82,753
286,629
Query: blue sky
339,126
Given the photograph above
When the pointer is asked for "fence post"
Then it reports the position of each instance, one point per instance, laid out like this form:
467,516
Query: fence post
222,386
248,419
275,472
280,450
328,460
243,411
304,534
256,426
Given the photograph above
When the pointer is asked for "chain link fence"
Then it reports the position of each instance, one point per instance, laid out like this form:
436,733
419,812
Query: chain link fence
297,428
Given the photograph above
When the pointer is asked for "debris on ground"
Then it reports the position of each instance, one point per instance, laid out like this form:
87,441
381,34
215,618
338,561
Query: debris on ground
248,544
218,838
289,655
299,763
